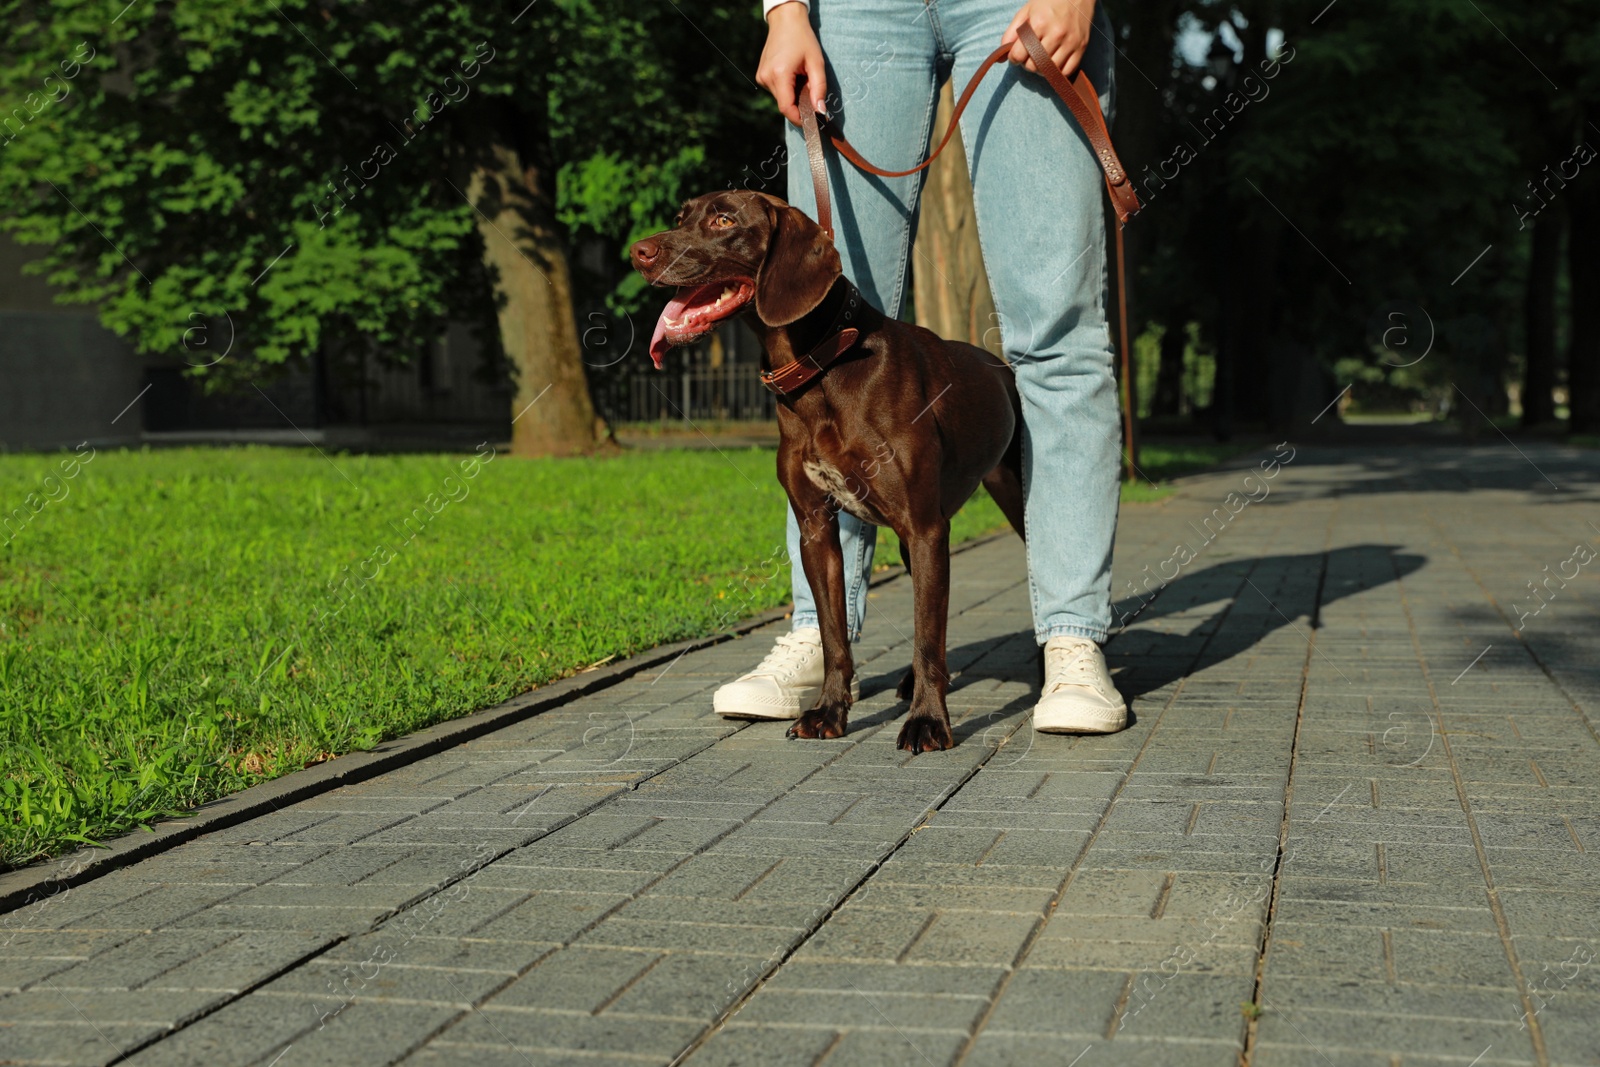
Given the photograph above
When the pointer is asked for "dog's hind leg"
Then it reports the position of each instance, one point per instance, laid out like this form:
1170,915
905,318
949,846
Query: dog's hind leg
908,684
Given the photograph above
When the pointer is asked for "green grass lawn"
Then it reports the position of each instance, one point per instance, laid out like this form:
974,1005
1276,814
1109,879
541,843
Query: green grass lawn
177,625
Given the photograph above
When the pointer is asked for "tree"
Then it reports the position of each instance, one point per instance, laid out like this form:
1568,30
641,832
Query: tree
1583,270
324,176
951,287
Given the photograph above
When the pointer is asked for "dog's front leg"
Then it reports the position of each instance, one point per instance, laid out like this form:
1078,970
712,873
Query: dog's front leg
823,558
927,727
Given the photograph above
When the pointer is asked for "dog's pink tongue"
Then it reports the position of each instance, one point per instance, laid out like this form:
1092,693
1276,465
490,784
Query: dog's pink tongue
658,342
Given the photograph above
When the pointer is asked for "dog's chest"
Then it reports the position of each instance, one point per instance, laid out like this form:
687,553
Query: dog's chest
850,491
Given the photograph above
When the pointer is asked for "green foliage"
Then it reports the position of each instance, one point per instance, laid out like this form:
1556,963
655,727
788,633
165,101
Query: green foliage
1380,157
299,168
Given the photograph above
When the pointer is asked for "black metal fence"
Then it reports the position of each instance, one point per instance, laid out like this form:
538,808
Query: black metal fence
730,392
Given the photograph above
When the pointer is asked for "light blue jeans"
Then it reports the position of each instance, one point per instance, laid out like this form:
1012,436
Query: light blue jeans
1038,192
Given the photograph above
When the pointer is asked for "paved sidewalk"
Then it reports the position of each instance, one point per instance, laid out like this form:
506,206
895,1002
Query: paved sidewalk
1356,822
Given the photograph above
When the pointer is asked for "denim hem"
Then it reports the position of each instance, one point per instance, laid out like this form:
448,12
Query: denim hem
801,623
1063,629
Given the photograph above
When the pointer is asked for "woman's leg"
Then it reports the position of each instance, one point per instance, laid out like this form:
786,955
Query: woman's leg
882,89
1038,193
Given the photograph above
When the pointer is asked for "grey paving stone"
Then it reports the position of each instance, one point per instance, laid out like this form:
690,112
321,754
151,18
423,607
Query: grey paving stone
366,1032
72,1042
696,937
900,870
1198,952
879,893
1565,915
960,980
742,1045
331,919
1037,1050
246,1031
1388,914
1570,1024
1062,1003
688,985
679,909
843,897
1186,1006
865,934
546,1031
164,904
377,979
542,916
140,960
1458,1037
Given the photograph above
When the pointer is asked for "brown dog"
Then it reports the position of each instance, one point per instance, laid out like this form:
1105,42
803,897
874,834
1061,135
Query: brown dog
899,431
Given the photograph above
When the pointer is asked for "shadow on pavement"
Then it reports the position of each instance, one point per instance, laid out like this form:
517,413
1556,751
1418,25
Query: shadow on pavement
1254,597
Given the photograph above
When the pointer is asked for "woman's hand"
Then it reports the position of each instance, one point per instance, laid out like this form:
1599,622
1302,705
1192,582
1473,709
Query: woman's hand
792,53
1062,27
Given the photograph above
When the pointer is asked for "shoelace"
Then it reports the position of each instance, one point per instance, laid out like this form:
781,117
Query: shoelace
786,656
1073,665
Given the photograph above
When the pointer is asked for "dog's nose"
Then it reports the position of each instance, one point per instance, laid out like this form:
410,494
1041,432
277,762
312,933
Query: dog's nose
645,252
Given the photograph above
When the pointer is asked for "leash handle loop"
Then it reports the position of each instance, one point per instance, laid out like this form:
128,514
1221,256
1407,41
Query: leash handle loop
1078,93
819,168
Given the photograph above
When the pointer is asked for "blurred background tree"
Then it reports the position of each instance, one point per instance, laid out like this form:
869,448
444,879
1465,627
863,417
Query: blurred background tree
1332,189
338,175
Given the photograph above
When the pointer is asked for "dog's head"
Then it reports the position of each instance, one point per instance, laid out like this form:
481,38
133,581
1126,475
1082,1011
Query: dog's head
727,250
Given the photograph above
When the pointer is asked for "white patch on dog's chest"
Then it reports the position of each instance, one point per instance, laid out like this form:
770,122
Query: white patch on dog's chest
826,476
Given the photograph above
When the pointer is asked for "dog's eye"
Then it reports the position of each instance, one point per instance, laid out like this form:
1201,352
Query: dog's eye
722,220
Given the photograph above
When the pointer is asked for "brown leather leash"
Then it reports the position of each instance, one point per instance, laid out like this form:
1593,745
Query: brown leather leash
1082,100
1077,92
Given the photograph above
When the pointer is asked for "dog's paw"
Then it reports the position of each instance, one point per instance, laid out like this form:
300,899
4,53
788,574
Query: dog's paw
907,686
925,734
818,723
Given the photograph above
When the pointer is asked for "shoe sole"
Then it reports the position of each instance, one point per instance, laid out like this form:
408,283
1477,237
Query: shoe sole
771,713
1106,725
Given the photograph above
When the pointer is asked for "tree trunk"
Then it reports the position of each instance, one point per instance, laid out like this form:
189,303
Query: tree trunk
1539,318
1583,273
951,288
1168,397
552,411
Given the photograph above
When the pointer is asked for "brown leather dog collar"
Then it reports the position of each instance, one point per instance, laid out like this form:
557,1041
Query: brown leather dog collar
838,339
792,377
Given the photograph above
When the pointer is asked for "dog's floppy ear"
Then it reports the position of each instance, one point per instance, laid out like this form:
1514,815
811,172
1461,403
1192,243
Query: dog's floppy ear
801,266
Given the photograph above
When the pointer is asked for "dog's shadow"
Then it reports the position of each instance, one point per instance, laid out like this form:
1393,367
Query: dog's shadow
1253,597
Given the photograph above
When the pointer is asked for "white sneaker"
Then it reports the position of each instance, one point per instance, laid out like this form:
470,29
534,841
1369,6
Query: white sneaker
1078,696
787,683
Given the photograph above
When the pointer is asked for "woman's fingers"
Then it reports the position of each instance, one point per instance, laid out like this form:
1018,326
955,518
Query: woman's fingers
792,55
816,78
1018,54
1064,40
782,86
1068,56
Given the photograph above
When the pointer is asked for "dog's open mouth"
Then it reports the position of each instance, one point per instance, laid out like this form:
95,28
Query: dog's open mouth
691,314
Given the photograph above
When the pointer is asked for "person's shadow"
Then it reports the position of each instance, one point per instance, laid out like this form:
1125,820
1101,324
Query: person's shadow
1210,615
1204,616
